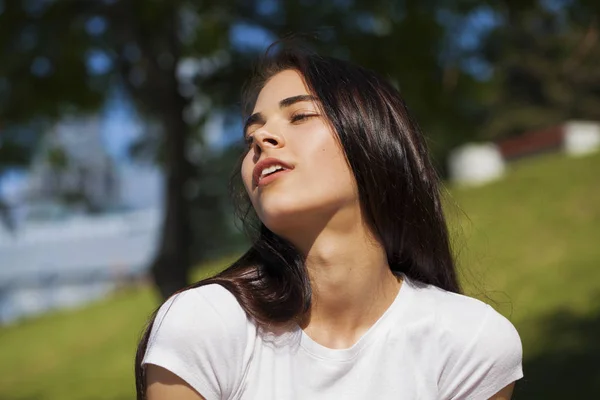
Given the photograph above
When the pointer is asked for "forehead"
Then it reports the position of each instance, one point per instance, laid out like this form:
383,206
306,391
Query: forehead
282,85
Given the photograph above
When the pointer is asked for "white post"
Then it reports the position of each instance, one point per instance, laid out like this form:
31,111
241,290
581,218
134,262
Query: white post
581,137
476,164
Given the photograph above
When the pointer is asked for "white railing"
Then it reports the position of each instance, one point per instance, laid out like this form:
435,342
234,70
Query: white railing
55,264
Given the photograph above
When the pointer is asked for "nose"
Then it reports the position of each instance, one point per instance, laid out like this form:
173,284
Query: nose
268,139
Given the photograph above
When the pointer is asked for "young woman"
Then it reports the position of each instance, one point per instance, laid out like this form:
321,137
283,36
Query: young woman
349,290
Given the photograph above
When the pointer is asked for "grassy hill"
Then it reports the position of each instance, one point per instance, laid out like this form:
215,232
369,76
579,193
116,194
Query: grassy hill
528,244
533,239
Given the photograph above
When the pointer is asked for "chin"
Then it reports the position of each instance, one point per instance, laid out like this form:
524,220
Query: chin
280,215
285,218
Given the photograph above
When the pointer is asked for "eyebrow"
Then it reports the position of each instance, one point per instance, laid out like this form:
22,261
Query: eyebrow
258,118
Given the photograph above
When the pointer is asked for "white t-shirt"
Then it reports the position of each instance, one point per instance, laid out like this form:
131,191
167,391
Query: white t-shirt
429,344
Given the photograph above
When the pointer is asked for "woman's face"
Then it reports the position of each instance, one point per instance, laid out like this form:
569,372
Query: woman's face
287,128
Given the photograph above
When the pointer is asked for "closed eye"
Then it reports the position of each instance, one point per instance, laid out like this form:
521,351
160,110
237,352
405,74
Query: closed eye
302,117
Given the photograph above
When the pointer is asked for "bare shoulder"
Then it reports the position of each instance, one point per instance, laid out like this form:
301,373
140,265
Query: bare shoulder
505,393
162,384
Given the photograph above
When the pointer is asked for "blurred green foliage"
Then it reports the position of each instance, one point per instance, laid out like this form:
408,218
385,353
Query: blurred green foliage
469,69
529,248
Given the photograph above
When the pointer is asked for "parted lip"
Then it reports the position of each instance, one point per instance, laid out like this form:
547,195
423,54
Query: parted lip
266,163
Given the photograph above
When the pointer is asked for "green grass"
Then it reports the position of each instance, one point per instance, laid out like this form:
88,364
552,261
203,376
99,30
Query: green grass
530,245
536,236
85,353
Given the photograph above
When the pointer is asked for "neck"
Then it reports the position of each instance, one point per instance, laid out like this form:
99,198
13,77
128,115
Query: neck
351,281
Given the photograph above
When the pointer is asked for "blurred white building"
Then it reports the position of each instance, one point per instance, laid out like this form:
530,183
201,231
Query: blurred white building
72,162
61,250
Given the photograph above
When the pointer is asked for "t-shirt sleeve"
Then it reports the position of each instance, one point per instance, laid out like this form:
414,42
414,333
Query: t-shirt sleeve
486,363
201,335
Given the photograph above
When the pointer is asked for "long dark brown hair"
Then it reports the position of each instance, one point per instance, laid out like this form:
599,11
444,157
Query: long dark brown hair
398,188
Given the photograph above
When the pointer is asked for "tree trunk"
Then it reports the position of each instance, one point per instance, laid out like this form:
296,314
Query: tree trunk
171,265
159,96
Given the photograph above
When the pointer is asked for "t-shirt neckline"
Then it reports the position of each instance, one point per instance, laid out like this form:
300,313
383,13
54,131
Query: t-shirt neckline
319,351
